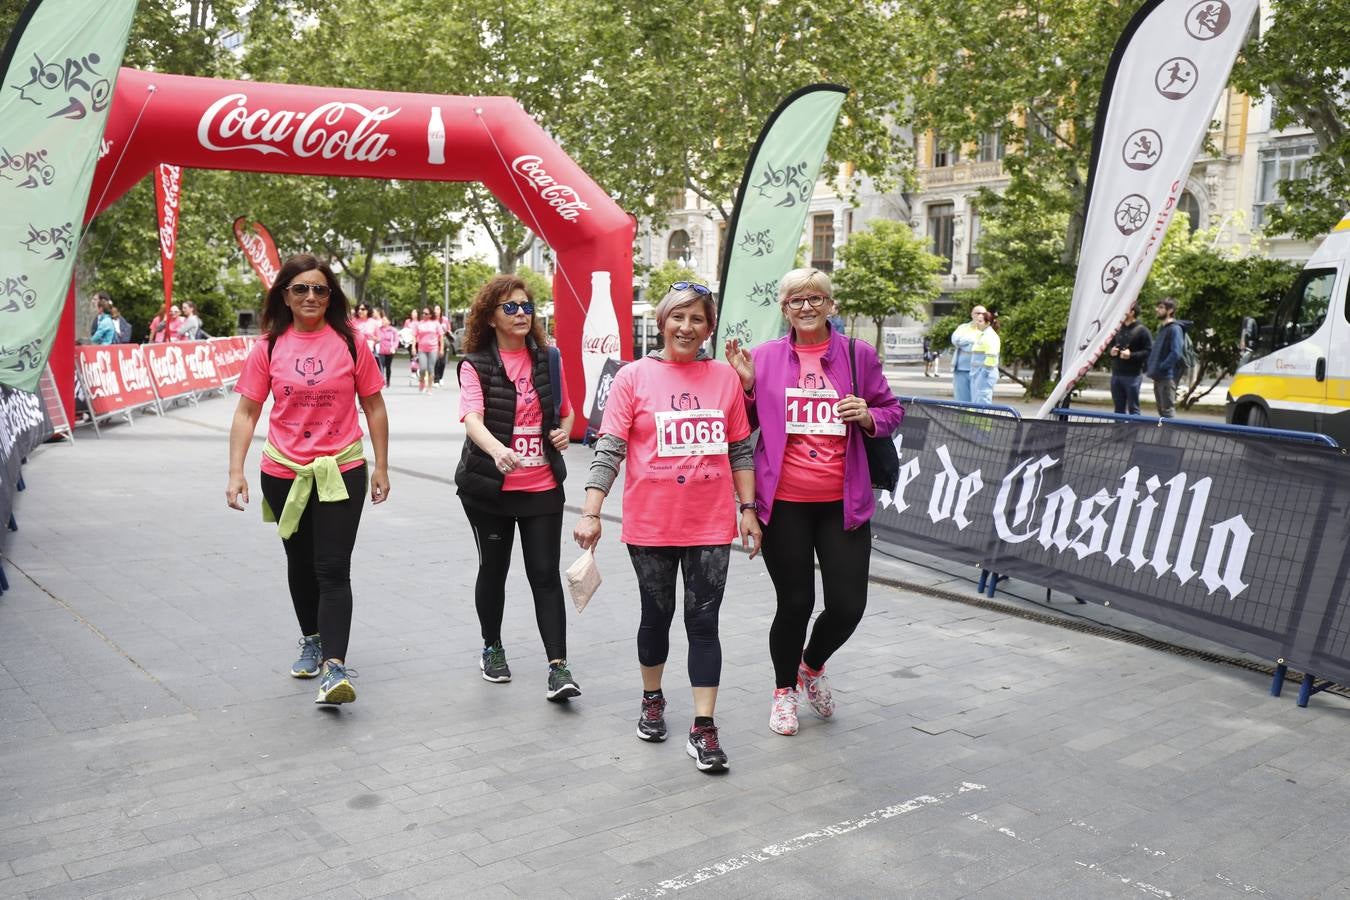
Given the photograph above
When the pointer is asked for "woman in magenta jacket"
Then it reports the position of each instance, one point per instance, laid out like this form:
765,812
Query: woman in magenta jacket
812,481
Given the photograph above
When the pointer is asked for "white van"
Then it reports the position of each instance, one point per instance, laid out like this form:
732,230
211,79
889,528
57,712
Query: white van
1295,372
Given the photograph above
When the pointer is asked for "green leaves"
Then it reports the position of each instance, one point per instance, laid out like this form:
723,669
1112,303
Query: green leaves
886,271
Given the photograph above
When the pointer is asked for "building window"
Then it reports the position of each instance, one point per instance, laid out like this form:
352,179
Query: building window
973,260
822,242
941,231
943,155
1189,206
1279,162
991,146
677,248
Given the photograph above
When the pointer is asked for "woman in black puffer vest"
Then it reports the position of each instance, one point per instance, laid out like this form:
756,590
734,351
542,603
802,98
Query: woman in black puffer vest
514,408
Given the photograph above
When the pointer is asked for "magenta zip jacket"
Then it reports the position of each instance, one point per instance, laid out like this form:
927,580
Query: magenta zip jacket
777,367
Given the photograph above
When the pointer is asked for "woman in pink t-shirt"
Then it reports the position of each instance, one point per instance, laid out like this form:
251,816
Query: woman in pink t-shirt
313,479
428,342
811,476
386,345
514,408
366,325
677,418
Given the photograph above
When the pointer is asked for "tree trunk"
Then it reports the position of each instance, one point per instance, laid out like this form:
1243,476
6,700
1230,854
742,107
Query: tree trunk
878,320
1040,372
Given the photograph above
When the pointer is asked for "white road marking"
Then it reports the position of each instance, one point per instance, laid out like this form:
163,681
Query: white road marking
800,842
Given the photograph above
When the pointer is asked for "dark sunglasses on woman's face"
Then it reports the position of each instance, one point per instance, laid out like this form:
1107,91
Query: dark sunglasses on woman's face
299,290
694,286
511,307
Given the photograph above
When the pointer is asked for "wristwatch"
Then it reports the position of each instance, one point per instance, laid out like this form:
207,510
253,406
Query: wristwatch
753,504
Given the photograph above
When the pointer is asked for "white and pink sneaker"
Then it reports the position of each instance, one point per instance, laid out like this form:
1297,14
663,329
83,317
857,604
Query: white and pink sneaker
812,683
783,715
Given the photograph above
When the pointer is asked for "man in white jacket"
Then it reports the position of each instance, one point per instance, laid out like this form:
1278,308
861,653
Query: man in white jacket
963,339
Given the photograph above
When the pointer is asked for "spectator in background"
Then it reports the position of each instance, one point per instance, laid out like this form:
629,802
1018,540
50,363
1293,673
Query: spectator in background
963,339
1164,360
984,357
190,329
102,300
105,330
122,326
929,358
158,332
429,345
444,322
386,346
1129,351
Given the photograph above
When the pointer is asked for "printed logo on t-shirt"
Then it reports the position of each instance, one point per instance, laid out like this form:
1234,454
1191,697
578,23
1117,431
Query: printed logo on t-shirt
685,401
309,368
527,402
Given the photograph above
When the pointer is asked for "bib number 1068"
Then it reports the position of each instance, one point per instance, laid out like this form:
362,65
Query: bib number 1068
692,432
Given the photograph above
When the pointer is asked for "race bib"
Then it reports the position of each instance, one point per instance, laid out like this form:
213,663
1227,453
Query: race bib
528,443
691,432
813,412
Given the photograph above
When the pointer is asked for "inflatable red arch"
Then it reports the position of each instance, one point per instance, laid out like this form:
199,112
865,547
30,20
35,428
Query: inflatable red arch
208,123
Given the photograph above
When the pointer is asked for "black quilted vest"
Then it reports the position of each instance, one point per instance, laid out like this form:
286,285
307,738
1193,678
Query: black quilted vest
476,475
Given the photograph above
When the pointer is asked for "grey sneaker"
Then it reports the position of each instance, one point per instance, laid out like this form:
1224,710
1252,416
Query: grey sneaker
336,684
493,664
561,685
311,657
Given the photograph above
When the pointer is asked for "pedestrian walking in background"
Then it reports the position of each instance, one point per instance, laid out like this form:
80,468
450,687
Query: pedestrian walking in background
444,322
930,357
678,419
513,403
813,482
120,325
428,342
1130,350
314,470
190,328
984,359
386,346
963,341
1165,358
366,326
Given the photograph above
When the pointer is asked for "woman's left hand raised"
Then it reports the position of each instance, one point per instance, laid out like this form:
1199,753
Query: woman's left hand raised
559,439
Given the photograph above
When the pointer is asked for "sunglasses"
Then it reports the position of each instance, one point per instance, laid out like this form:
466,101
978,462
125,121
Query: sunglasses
511,307
814,300
300,290
694,286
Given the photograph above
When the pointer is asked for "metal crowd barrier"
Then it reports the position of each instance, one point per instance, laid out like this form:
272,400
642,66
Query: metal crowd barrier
1281,434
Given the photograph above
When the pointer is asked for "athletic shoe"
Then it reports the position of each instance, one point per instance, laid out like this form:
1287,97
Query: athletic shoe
706,750
336,686
493,664
311,657
561,685
652,722
817,690
783,715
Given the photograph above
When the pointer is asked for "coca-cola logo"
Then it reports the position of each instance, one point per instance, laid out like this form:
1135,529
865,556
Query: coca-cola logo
563,198
170,183
167,366
255,248
330,130
604,344
135,375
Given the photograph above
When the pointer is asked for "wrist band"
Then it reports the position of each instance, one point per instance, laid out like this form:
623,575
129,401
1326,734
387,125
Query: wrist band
590,515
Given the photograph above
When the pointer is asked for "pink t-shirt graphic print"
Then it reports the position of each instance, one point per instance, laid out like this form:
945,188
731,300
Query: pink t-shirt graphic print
527,436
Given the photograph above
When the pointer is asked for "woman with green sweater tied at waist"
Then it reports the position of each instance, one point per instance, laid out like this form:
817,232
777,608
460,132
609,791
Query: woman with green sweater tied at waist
314,470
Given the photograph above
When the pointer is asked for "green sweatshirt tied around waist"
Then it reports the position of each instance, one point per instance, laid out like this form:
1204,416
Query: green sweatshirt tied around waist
323,471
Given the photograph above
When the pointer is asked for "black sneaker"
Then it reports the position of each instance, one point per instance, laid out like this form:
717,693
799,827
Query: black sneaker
652,722
493,664
706,750
561,685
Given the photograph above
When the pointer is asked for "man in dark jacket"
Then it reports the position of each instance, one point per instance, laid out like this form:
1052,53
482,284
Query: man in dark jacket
1129,351
1164,362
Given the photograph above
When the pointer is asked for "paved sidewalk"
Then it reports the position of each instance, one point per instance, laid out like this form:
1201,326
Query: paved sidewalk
152,743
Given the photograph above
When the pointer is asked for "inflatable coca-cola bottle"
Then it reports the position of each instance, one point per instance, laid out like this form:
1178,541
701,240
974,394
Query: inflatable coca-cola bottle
599,335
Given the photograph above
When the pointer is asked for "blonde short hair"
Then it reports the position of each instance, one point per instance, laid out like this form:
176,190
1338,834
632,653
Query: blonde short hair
801,280
674,300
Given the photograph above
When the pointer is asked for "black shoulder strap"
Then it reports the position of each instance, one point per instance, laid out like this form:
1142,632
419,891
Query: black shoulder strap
853,364
554,374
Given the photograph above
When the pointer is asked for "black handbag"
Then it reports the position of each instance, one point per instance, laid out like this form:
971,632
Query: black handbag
883,462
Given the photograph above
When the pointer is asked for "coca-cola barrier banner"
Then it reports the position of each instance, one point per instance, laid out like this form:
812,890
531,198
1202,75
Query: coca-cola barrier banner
206,123
1233,539
115,377
168,187
259,249
229,354
183,367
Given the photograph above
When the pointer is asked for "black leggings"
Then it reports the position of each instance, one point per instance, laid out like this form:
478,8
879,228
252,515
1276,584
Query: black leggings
797,534
387,367
319,558
541,545
705,581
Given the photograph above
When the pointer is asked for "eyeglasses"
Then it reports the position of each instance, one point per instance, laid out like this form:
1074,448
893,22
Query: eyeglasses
511,307
299,290
814,300
694,286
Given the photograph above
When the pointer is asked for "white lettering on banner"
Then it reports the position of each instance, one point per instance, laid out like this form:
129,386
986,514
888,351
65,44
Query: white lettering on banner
167,366
202,362
135,374
100,379
563,198
306,134
952,491
255,248
20,412
170,179
1065,523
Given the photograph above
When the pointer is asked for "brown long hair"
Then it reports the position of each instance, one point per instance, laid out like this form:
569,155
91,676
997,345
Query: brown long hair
276,315
478,331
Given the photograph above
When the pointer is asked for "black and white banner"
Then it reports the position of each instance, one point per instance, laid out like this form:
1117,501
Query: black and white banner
23,425
1234,539
1165,77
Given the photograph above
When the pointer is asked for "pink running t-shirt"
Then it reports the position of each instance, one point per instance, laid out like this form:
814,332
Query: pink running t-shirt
527,438
428,335
813,459
679,420
368,328
314,387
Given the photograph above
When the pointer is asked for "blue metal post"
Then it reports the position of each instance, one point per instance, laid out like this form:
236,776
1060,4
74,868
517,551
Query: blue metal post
1277,683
